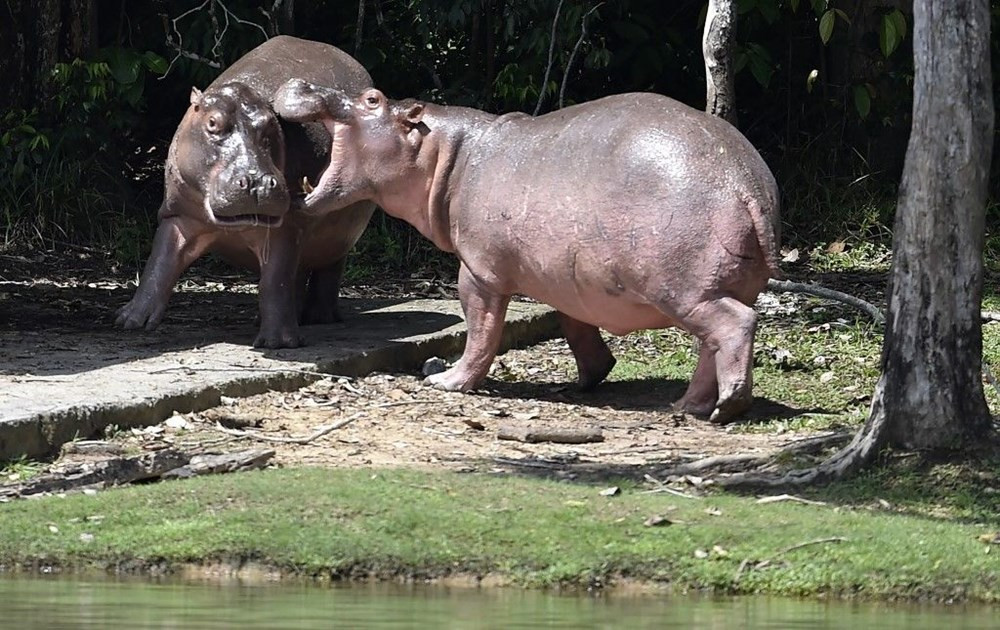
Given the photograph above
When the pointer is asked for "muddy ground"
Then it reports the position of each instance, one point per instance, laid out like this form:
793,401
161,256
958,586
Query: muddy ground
394,420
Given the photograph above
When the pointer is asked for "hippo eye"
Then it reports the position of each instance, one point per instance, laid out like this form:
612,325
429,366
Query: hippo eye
372,100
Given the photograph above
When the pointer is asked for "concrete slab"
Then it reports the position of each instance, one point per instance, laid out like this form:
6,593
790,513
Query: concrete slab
56,385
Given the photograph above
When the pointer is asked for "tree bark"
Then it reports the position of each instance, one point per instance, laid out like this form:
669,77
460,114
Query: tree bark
930,393
35,35
717,48
931,389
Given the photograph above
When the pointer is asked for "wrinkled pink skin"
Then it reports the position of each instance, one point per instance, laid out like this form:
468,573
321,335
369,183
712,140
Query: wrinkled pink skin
625,213
228,191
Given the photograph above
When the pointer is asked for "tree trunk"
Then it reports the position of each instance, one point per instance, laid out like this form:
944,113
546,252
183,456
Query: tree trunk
930,394
34,36
717,48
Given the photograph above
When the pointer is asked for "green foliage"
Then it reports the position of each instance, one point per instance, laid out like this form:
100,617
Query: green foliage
62,173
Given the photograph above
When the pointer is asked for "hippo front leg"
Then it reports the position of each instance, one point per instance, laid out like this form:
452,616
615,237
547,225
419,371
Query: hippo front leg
279,320
173,251
484,315
594,360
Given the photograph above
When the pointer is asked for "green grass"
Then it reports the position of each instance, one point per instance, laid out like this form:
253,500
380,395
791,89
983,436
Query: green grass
536,532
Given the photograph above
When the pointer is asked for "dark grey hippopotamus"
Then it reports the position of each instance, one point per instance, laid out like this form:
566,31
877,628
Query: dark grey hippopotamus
230,173
626,213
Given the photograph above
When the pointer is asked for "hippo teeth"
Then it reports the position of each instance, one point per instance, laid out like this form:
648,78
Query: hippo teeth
306,186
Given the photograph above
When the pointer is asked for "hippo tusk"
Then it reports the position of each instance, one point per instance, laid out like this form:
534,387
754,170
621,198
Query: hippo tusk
306,186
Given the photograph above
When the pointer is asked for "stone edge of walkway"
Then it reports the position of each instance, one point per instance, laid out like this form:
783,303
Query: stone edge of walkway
43,435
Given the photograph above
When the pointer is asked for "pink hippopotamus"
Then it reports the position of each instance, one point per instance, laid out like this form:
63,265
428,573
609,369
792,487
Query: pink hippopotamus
625,213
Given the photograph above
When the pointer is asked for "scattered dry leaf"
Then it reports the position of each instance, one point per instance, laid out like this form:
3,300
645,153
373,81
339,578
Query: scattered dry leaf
611,492
657,521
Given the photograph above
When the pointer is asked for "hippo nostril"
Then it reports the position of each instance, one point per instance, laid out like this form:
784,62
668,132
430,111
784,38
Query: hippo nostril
243,182
270,182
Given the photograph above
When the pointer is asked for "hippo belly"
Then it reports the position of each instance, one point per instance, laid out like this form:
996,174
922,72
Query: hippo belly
601,299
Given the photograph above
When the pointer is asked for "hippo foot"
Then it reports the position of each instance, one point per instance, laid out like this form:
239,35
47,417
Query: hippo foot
136,315
590,377
697,409
730,408
452,380
278,339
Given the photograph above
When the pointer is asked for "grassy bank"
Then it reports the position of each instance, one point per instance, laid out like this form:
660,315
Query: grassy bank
352,523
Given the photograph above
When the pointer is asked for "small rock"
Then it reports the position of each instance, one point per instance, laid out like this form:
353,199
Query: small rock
657,521
434,365
613,491
701,554
177,422
53,529
86,538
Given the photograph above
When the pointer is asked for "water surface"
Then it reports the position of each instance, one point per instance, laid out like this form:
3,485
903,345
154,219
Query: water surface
69,603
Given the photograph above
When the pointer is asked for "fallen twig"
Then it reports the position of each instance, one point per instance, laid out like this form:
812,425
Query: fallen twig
244,368
402,403
662,487
528,463
561,435
808,543
315,435
669,490
787,286
788,497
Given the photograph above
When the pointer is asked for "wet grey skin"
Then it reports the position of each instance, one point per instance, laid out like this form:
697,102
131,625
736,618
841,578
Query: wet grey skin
231,178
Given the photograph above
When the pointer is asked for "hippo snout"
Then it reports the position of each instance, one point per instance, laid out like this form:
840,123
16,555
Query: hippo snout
257,186
249,198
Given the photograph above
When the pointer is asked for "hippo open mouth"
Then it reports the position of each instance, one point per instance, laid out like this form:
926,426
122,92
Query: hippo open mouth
248,220
327,182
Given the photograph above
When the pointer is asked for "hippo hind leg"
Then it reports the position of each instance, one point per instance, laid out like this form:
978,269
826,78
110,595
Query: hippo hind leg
320,295
726,328
594,360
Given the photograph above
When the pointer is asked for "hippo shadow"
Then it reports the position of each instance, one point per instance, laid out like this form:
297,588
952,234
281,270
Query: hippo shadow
642,394
49,330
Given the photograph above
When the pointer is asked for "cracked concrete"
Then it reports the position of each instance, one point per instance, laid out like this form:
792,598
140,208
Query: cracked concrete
62,384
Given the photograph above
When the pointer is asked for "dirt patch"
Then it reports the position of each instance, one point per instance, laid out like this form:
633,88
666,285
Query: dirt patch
397,421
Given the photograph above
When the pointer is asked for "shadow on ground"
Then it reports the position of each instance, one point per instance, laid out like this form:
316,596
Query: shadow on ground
635,395
50,330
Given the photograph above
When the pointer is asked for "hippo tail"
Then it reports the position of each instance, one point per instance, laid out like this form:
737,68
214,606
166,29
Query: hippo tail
768,229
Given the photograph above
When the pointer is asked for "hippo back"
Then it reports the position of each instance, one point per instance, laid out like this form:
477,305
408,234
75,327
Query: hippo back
272,63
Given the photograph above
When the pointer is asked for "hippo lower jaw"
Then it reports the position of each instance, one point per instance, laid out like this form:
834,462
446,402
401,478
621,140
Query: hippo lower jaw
247,220
326,186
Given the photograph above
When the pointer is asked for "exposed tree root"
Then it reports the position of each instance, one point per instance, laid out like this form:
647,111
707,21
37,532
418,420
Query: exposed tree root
787,286
859,453
742,463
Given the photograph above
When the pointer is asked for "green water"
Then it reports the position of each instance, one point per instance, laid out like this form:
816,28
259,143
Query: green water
64,603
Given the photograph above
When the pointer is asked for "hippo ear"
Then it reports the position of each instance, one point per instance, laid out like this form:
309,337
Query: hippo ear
412,115
195,95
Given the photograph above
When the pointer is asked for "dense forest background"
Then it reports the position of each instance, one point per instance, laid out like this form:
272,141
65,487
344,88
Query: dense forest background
95,89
